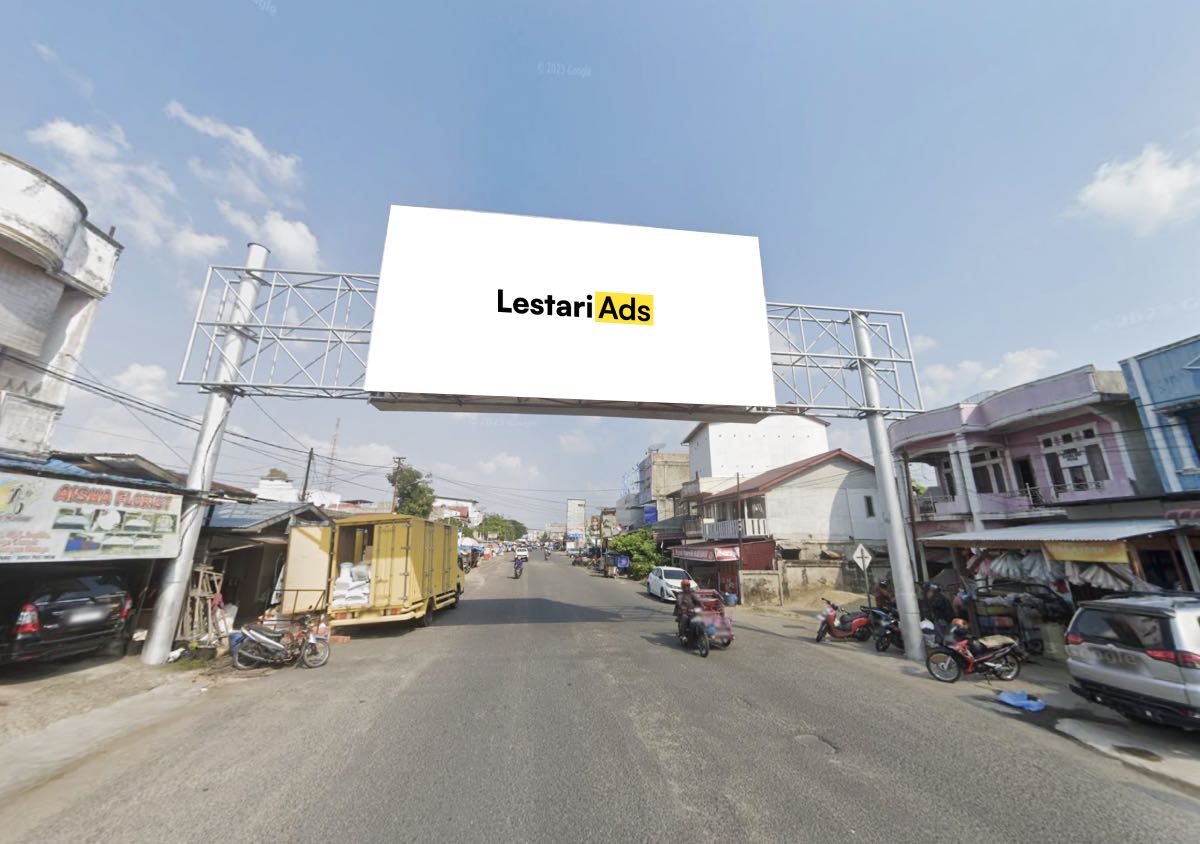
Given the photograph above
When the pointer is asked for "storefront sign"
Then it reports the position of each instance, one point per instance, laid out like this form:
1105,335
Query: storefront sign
707,553
1088,552
51,519
650,514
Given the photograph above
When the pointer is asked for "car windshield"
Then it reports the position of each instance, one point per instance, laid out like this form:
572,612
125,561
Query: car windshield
674,574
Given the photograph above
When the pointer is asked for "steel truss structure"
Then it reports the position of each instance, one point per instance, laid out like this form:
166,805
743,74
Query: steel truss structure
307,334
818,362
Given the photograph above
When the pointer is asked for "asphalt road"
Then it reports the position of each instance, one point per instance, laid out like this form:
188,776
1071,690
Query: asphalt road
559,707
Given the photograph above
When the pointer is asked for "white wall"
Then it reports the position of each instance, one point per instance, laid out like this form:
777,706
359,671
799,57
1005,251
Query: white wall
827,504
725,449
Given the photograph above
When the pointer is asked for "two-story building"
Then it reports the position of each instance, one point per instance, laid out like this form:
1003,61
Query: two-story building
1165,385
1016,455
1054,481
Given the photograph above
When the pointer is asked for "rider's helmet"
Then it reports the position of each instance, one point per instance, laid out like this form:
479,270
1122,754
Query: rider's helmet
686,585
932,587
884,582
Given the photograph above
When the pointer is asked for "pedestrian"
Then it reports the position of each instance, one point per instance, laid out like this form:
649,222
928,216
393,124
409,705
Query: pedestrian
937,605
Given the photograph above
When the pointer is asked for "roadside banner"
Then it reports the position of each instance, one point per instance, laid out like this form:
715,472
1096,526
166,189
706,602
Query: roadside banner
54,519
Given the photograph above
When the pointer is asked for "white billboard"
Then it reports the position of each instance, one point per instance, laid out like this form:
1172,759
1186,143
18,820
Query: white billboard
480,304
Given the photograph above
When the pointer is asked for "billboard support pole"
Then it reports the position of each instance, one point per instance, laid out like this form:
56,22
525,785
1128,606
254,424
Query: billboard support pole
885,478
178,575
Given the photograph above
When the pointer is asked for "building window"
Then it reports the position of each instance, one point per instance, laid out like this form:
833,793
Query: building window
1192,421
1075,461
947,474
870,503
987,467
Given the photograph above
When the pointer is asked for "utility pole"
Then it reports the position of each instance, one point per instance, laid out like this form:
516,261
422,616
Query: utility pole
307,475
399,463
885,477
178,576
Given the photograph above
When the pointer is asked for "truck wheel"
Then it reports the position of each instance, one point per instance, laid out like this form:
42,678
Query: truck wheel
427,619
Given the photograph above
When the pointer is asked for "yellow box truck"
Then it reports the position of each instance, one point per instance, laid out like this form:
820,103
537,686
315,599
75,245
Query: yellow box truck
372,568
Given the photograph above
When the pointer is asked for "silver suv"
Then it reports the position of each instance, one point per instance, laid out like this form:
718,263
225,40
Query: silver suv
1140,655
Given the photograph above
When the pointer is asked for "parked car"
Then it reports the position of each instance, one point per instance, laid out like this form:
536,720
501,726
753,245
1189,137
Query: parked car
51,615
1140,655
664,582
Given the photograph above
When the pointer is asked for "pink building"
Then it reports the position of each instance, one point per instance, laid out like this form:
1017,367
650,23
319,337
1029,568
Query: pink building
1015,456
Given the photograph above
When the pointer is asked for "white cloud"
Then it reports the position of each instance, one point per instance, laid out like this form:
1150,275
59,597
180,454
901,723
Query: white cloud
1143,193
923,343
81,82
291,242
80,142
941,384
131,195
502,462
242,145
576,442
233,180
148,381
190,244
97,163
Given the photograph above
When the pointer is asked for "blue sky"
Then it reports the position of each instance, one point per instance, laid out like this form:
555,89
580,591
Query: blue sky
1023,179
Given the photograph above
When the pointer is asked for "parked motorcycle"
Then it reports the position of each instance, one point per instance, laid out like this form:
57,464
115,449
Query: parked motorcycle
842,625
887,629
960,653
305,641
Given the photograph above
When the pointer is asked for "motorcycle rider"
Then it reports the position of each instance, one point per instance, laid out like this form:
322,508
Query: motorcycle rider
686,602
939,608
884,599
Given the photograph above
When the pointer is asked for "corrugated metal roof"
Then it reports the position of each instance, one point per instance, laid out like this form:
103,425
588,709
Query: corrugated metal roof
62,468
1101,530
259,514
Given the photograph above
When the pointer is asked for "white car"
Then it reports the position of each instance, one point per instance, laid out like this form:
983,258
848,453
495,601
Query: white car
664,582
521,554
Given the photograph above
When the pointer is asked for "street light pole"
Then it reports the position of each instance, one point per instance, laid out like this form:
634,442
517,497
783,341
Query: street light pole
885,477
178,576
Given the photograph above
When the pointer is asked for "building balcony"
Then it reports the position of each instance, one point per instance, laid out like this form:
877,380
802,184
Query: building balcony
728,529
932,505
694,526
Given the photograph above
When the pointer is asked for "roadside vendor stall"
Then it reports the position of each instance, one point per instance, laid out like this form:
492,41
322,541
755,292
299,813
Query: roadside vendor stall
716,565
1025,580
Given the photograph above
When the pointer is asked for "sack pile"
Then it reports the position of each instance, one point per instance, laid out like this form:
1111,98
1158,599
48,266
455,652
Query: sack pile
352,587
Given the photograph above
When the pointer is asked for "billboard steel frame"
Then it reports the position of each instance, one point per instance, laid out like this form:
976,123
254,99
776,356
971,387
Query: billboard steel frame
308,333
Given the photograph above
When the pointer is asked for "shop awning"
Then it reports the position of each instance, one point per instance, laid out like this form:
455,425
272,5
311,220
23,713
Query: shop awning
705,552
1025,536
1188,514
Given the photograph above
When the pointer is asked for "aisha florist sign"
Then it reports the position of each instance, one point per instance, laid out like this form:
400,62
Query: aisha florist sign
49,519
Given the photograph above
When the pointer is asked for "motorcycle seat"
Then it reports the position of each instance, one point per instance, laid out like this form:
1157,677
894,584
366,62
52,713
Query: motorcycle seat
266,631
994,642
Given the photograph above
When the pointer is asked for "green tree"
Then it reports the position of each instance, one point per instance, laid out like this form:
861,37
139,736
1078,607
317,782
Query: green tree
504,528
641,548
414,495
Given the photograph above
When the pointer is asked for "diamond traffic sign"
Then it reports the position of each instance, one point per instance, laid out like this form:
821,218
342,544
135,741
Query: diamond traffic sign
861,556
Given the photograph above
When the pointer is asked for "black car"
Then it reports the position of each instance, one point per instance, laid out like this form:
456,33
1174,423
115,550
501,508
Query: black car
50,615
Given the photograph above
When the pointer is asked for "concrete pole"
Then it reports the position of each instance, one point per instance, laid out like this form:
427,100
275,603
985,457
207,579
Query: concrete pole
178,576
885,479
1189,559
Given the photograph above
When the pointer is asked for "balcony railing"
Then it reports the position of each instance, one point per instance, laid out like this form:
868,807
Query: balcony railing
694,526
728,529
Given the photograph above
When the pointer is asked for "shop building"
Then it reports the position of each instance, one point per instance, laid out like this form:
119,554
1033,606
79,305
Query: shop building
1165,385
1020,455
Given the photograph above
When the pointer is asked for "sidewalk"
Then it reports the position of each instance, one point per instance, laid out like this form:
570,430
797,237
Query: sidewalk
58,714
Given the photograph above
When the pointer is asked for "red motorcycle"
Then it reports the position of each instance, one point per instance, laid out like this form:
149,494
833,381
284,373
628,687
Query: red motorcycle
960,653
843,625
